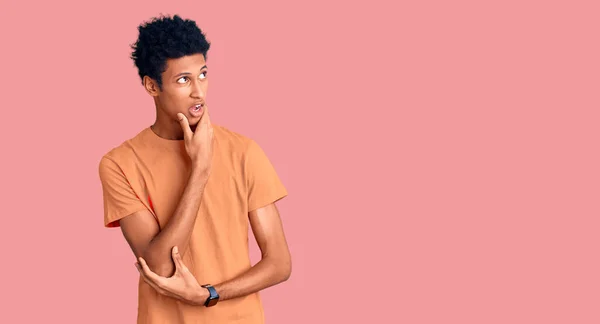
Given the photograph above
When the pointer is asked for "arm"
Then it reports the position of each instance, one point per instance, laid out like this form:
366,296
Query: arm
140,229
142,232
264,189
274,267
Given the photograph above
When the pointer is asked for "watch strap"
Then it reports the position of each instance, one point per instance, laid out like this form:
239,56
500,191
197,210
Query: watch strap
213,298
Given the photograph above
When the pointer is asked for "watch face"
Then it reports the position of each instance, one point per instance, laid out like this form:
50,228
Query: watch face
212,302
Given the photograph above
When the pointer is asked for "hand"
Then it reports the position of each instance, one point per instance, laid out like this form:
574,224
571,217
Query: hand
182,285
199,143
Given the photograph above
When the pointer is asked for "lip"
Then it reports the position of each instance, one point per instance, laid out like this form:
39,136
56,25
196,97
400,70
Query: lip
195,113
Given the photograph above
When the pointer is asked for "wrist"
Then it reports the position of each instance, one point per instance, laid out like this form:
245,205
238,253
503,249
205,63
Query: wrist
213,296
200,296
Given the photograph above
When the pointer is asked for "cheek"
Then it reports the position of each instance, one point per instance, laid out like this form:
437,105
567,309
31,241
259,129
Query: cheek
175,98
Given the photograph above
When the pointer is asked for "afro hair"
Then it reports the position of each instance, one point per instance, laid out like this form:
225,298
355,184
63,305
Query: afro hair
164,38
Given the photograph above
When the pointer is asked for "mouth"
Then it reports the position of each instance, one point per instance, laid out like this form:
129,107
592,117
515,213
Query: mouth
196,110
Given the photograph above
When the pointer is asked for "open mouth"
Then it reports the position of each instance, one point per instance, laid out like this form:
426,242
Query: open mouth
196,111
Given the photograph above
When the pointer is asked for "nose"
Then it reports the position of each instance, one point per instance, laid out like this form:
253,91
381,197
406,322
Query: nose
197,91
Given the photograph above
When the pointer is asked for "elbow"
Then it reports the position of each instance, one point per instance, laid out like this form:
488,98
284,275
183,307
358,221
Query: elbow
165,270
284,269
286,275
279,267
162,268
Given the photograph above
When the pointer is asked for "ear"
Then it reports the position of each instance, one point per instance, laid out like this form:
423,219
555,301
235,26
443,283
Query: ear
151,86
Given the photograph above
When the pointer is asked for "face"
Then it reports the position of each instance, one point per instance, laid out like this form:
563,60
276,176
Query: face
184,86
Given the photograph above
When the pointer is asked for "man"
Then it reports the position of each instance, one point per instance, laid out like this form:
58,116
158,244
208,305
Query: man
184,190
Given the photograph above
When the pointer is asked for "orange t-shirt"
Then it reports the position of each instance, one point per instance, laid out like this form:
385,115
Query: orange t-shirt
150,172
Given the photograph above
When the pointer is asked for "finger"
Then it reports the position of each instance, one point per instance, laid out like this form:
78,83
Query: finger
185,126
174,254
205,119
138,266
179,265
157,287
145,278
148,273
149,282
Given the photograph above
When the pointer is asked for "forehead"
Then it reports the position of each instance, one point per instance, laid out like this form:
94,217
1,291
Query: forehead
190,63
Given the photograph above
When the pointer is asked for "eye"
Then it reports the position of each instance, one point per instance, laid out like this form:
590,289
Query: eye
203,75
182,78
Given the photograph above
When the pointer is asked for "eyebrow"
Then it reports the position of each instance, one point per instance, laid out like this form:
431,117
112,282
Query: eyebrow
188,73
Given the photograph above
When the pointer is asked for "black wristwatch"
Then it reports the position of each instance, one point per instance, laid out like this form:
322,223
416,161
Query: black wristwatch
213,298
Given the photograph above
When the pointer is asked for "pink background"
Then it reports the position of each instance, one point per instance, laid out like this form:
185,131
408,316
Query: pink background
441,157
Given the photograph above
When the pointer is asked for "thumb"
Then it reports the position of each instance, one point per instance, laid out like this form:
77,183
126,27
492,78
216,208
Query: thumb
177,259
185,126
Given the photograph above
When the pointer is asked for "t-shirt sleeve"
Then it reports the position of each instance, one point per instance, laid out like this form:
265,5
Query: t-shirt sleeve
264,185
119,198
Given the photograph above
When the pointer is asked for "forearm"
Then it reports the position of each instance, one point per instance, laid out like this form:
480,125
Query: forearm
266,273
178,229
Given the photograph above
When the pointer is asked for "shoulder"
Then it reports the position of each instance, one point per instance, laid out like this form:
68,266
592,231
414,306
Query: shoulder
232,140
123,152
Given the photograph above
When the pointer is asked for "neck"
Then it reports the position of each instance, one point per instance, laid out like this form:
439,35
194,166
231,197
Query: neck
168,130
166,127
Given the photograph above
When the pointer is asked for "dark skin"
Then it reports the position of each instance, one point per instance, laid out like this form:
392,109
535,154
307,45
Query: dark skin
274,267
158,251
184,84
